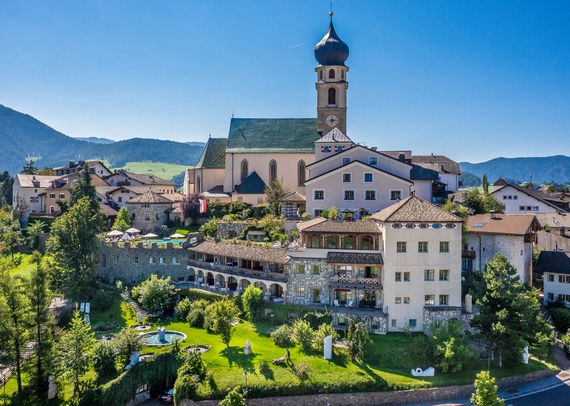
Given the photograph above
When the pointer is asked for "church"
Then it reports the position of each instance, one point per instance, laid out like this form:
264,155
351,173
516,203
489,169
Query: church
315,158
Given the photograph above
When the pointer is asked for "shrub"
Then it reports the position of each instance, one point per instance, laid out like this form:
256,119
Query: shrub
566,342
104,358
422,349
316,318
302,370
322,332
306,216
282,336
102,300
561,318
252,302
183,308
302,334
103,326
196,318
200,304
154,294
234,398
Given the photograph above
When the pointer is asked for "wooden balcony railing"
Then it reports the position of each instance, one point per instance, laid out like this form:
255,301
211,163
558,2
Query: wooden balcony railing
465,254
357,283
230,270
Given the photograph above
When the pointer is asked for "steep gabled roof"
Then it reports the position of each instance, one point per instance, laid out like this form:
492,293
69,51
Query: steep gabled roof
415,209
532,192
35,181
347,150
252,185
553,262
294,197
439,163
510,224
214,154
334,135
149,197
272,135
420,173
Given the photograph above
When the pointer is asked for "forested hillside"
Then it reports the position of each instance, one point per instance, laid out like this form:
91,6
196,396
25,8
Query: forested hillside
22,136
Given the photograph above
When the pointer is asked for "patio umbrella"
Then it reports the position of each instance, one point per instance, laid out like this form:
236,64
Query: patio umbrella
177,236
126,237
115,233
150,235
133,231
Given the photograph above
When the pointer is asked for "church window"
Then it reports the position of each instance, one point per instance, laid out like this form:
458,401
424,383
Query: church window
332,96
301,172
198,185
244,169
331,74
272,170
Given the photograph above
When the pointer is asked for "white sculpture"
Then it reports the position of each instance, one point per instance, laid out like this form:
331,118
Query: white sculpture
468,303
525,355
52,389
87,319
139,318
82,307
134,359
247,350
328,347
428,372
161,333
87,307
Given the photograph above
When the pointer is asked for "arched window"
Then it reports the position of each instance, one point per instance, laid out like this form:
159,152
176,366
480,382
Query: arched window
272,170
198,185
301,173
244,169
331,74
321,74
332,96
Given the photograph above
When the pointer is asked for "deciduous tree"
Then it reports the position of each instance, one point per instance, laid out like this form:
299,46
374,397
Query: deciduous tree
252,302
122,222
154,294
486,391
223,313
34,230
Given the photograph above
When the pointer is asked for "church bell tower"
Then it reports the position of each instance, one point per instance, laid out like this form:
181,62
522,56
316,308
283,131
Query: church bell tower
331,53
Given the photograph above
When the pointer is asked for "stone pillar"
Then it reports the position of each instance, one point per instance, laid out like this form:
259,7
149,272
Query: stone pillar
227,285
468,303
284,297
268,294
328,347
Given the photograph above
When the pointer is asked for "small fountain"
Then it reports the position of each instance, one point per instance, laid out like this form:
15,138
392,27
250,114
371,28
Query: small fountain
162,337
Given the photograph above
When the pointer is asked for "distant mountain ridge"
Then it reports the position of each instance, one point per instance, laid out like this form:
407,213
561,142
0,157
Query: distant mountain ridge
544,169
22,136
95,140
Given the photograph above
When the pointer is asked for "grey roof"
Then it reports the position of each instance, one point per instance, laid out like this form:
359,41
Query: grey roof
553,261
334,135
214,154
420,173
144,179
439,163
272,135
35,181
331,226
252,185
253,253
500,182
149,197
309,223
416,209
294,197
354,258
532,192
407,155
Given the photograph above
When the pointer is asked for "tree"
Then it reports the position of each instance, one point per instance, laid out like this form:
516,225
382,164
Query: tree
356,338
486,391
40,299
210,228
29,167
491,203
509,315
14,322
122,222
75,351
302,334
474,200
34,230
234,398
323,331
252,302
272,225
485,184
451,349
154,294
74,242
127,342
10,240
274,192
190,207
83,188
6,185
104,357
223,313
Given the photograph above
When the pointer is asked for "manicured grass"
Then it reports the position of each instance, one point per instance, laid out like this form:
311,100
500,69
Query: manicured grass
162,170
120,313
183,230
20,266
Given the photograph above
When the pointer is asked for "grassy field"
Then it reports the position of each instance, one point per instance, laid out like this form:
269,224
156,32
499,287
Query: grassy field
162,170
20,266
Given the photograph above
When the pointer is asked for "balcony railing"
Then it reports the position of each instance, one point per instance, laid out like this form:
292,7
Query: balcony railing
357,283
465,254
230,270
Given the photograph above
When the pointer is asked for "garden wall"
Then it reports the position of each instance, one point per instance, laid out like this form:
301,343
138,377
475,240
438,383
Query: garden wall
228,230
381,398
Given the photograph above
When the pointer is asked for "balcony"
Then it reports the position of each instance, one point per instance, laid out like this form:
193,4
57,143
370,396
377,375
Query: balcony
350,282
465,254
242,272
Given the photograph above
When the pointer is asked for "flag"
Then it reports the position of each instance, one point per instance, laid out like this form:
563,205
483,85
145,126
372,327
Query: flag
203,205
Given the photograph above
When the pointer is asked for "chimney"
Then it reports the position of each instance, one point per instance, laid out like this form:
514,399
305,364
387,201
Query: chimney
374,148
402,157
492,214
71,164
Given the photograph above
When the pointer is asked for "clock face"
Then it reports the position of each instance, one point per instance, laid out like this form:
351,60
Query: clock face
332,120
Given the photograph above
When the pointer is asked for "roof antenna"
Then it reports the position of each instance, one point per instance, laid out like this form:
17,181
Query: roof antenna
232,114
209,135
331,12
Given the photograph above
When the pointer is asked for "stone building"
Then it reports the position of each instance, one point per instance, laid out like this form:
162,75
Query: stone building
149,211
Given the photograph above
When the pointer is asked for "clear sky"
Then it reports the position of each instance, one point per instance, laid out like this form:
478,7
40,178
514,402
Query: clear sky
471,80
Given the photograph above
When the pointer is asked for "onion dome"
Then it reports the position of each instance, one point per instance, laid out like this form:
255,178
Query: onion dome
331,50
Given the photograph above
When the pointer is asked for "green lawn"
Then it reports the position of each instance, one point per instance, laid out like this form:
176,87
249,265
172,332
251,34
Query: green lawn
20,266
162,170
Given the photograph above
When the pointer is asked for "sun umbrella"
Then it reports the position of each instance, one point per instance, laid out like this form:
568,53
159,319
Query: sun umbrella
115,233
126,237
177,236
133,231
150,235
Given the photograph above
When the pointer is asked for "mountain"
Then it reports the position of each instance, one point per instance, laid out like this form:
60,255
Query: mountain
95,140
544,169
22,136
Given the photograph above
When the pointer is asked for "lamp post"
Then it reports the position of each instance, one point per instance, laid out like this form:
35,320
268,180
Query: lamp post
245,374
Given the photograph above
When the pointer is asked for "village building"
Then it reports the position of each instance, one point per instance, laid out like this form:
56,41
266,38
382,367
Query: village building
555,268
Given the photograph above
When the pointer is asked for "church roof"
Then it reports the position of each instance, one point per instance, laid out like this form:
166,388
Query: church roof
252,185
214,154
331,50
272,135
414,209
334,135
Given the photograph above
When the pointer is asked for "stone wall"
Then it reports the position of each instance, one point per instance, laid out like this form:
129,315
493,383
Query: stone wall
381,398
230,230
133,264
375,323
300,286
440,314
148,217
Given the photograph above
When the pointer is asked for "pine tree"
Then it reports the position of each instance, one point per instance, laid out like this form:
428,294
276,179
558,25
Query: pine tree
122,222
486,391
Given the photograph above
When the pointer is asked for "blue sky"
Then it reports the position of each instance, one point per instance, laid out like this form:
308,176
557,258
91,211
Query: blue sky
472,80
